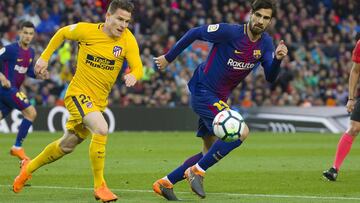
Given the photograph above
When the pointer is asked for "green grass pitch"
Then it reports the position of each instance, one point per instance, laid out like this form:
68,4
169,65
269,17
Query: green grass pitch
266,168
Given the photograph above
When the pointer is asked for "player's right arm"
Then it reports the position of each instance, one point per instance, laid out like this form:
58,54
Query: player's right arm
212,33
4,81
70,32
354,78
4,54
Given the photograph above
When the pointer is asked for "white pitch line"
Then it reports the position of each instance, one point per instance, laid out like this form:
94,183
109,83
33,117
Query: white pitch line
211,193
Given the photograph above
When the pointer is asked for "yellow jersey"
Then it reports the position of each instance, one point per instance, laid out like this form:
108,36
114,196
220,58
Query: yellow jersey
99,59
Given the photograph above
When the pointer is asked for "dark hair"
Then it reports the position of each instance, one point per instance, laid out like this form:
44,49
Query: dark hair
122,4
357,36
263,4
26,24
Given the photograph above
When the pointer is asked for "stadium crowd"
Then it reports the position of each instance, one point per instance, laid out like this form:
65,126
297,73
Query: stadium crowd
320,36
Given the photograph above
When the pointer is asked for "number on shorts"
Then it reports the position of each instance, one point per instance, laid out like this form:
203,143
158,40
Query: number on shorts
221,105
84,99
21,96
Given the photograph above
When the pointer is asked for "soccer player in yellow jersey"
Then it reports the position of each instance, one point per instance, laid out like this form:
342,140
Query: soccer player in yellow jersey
102,50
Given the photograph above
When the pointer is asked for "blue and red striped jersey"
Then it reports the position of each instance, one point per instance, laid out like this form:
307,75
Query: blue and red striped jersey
16,62
232,57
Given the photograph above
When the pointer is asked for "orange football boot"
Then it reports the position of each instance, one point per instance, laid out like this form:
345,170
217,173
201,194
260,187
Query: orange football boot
195,177
21,179
20,153
165,188
104,194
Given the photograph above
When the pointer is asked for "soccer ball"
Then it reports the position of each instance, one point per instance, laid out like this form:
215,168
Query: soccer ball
228,125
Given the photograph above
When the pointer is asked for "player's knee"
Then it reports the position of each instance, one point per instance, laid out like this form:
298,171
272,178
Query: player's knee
96,123
30,113
33,114
354,130
101,130
245,133
69,142
67,147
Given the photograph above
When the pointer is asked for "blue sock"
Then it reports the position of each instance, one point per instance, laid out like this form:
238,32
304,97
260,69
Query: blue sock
178,174
23,131
217,151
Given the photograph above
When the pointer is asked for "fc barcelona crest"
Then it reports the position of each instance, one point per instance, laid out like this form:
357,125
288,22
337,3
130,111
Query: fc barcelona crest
257,54
117,51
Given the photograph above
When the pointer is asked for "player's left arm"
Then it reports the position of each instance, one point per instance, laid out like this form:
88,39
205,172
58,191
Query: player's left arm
353,83
272,63
31,71
354,78
133,58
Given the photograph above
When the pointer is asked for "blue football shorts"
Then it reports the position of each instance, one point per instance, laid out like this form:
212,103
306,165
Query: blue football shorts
12,99
207,105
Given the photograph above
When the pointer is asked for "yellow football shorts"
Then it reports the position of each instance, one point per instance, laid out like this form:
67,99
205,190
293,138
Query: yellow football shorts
79,106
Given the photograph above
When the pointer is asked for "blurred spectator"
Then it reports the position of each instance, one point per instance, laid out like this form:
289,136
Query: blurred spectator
320,36
47,25
65,53
33,17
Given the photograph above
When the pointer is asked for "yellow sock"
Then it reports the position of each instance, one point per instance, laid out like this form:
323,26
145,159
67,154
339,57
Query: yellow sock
97,158
51,153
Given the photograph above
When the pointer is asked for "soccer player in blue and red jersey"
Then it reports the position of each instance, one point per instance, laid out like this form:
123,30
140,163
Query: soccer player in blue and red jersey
236,51
17,62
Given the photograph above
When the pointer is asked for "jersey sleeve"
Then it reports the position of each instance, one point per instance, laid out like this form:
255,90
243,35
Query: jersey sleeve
214,33
356,53
133,58
269,53
217,32
269,62
4,53
31,72
74,32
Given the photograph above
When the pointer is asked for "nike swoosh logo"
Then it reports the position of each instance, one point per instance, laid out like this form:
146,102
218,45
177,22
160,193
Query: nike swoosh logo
237,52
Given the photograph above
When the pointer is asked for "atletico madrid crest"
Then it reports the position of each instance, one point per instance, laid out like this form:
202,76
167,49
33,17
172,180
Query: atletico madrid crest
117,51
89,104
